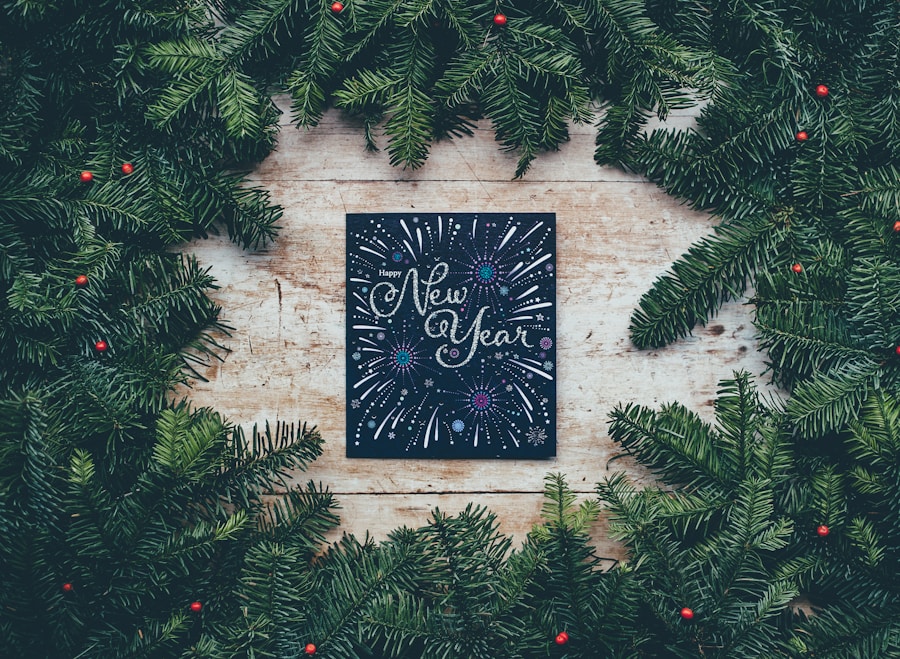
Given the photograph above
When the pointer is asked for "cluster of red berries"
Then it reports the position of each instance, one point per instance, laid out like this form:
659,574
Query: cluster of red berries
87,176
821,92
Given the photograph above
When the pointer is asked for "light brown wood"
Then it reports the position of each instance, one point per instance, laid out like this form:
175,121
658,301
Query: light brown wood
616,234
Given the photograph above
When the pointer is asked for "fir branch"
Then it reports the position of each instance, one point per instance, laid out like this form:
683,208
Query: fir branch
713,271
828,401
674,442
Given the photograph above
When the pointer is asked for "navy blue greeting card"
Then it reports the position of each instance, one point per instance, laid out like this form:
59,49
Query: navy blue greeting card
451,335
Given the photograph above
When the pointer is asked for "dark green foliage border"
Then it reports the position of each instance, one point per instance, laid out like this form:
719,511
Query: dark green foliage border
134,525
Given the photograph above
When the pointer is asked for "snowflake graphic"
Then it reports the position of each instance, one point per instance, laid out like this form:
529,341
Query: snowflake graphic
498,355
355,403
429,383
509,387
536,436
404,392
391,435
357,356
504,290
547,366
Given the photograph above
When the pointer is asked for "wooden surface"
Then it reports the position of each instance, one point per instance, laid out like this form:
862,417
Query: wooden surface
616,234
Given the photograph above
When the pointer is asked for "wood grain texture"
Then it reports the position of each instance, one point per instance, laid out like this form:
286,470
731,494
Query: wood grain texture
615,234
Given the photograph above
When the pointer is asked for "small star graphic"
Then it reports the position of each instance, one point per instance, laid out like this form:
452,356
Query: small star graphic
540,317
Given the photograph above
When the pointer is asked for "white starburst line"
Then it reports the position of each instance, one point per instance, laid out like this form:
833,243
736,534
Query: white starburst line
534,264
533,229
428,429
363,248
381,427
509,234
528,292
543,374
540,305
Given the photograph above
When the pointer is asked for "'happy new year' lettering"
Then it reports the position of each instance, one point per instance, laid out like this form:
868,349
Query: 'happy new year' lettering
386,299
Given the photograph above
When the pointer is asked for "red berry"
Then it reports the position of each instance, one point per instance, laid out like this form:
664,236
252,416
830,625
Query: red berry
86,176
822,530
101,346
897,225
196,607
499,19
337,7
81,280
67,587
687,614
127,168
802,136
310,649
797,268
897,350
821,91
562,638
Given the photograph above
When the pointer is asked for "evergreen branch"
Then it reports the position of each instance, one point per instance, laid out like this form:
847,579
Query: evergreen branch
181,95
188,443
268,459
276,587
737,420
187,55
28,482
239,105
712,271
513,114
873,303
466,74
201,539
876,434
353,579
324,42
673,442
368,88
880,193
300,518
373,23
409,127
828,401
867,540
827,495
802,339
848,631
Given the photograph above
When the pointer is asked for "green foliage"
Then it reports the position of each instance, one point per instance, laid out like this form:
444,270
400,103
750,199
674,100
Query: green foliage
714,538
427,68
781,201
120,504
733,531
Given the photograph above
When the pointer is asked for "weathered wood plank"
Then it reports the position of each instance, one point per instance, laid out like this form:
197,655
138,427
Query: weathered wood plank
615,236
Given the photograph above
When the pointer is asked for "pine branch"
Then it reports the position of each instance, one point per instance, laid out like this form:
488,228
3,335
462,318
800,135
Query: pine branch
324,41
713,271
828,401
673,442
